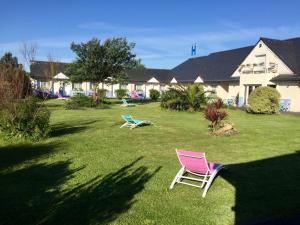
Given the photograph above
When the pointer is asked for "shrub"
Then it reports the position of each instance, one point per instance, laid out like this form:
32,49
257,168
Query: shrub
79,101
102,93
171,100
120,93
264,100
25,118
154,94
184,98
214,115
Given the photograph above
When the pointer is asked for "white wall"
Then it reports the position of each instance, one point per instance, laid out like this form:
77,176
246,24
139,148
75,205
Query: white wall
290,91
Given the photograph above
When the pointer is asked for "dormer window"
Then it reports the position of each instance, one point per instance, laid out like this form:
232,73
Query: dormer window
259,65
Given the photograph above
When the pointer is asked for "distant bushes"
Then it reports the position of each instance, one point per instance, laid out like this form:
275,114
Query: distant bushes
264,100
154,94
120,93
25,118
82,101
189,98
79,101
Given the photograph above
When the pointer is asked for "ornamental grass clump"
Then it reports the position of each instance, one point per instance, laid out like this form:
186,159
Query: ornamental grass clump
216,116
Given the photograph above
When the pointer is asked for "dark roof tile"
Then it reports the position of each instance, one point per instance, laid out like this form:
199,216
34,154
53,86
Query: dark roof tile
217,66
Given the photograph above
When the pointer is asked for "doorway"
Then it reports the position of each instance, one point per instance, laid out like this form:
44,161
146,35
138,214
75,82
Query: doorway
248,90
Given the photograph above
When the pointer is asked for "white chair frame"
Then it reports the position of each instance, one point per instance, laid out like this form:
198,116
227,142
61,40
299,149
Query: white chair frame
206,180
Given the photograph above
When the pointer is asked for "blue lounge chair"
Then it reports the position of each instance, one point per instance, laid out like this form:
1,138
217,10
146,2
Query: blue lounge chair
126,104
284,105
132,123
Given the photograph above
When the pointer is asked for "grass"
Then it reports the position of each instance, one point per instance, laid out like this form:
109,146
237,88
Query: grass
91,172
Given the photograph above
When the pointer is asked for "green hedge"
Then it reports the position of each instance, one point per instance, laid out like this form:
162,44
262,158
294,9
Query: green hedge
264,100
154,94
120,93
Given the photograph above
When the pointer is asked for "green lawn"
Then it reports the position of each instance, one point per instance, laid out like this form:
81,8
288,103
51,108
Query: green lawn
92,172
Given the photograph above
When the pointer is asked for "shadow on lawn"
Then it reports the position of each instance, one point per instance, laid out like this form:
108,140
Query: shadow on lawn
266,189
13,155
61,129
32,193
101,200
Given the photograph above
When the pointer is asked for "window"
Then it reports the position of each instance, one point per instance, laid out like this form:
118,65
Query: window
44,85
260,60
77,86
272,85
138,87
123,86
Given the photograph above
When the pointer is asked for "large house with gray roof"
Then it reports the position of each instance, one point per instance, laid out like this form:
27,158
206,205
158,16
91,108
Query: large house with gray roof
232,74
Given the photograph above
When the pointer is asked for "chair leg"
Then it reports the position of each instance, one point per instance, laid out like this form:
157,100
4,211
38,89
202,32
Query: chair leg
204,180
125,124
177,177
210,180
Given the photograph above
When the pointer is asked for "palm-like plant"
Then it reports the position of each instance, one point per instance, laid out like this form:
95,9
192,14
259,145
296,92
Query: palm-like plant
193,95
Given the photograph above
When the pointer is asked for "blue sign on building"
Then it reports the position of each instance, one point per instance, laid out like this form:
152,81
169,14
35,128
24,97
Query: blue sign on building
194,49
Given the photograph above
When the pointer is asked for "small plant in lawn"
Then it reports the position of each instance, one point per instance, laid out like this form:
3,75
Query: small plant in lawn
154,94
216,117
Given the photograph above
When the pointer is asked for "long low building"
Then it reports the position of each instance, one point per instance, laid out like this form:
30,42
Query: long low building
232,74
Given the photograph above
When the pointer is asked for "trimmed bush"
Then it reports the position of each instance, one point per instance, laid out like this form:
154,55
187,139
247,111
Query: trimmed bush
25,118
154,94
264,100
120,93
79,101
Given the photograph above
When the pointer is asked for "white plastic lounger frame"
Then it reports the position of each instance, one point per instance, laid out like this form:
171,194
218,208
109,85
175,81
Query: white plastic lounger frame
206,179
132,125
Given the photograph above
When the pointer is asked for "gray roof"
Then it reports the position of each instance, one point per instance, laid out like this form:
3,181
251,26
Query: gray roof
143,75
215,67
286,77
40,70
287,50
218,66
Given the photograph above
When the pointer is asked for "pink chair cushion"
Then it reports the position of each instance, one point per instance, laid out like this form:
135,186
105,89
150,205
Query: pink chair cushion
193,161
196,162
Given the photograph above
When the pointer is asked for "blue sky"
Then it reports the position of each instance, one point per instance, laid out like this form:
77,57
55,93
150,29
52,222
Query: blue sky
163,31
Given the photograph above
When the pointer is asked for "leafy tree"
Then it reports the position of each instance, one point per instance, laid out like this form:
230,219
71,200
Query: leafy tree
8,60
98,62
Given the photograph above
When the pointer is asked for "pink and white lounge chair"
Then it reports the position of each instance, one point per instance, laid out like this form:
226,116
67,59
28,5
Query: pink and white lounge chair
195,163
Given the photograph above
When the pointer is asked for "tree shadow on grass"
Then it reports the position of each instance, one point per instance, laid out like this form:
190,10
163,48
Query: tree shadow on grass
266,189
37,193
61,129
12,155
102,200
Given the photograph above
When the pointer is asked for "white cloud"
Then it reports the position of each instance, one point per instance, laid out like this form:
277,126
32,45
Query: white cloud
157,46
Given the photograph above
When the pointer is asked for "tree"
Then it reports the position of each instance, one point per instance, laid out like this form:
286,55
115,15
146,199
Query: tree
28,52
8,59
97,62
14,81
